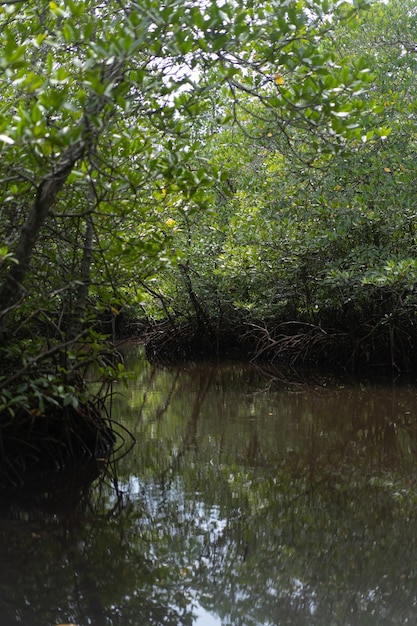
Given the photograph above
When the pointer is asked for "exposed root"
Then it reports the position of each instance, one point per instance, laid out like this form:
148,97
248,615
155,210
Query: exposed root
294,343
58,438
166,342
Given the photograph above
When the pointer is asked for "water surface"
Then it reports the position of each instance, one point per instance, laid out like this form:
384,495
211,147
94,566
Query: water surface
250,498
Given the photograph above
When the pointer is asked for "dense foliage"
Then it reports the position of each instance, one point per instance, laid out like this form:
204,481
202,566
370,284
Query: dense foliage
227,169
308,250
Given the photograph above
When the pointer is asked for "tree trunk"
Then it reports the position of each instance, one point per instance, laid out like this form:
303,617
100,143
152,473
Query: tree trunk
76,320
11,289
51,185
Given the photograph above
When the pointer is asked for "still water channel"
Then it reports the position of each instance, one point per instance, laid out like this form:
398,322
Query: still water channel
250,498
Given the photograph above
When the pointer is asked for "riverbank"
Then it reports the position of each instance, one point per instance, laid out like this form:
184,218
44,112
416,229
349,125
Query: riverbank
297,343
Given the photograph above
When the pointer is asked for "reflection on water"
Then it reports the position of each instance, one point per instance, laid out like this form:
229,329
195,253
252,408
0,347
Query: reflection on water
247,500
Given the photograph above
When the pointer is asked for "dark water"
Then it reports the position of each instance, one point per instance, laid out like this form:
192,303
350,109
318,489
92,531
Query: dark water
247,500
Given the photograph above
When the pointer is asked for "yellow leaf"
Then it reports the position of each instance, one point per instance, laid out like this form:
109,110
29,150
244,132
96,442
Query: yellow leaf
170,222
279,79
387,169
114,310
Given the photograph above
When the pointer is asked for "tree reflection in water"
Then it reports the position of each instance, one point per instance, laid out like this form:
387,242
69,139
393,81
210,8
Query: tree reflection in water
245,501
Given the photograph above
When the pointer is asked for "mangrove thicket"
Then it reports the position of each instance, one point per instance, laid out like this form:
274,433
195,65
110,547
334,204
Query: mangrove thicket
230,178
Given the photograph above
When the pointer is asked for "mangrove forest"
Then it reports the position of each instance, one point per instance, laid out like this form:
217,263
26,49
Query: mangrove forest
220,179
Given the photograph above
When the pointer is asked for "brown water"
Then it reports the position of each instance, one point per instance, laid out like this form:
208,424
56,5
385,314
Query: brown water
250,498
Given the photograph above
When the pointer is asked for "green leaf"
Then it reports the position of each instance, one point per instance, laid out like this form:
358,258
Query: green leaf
6,139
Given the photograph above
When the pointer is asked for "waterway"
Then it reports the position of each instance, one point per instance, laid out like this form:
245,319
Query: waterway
252,497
